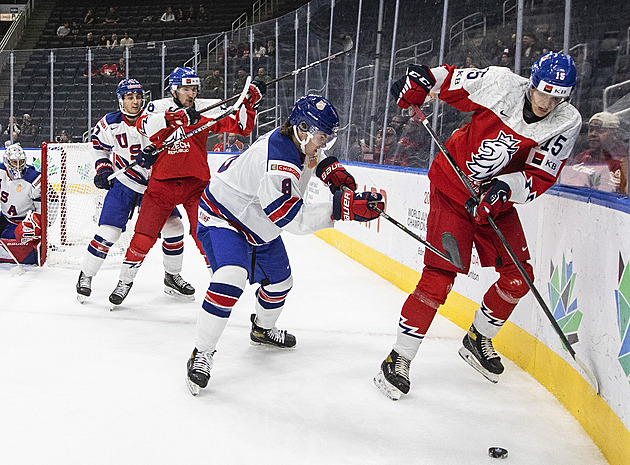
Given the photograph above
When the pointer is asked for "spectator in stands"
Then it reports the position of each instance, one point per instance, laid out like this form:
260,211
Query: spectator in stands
63,137
262,75
234,144
413,145
271,48
113,42
12,126
75,30
398,123
89,40
214,83
192,14
122,69
260,51
504,60
112,16
109,70
126,41
89,17
168,15
102,42
232,51
202,16
244,48
63,30
530,52
239,82
218,147
391,154
355,149
27,127
180,15
603,166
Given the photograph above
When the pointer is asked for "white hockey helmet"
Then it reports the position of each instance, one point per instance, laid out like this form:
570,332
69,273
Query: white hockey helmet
15,160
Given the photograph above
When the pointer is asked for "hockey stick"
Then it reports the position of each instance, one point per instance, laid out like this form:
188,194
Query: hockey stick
449,243
18,269
462,176
224,114
347,47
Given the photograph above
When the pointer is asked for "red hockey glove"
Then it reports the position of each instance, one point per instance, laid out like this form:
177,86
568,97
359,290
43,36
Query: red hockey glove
257,90
147,158
413,87
104,169
348,206
30,228
497,193
334,175
182,117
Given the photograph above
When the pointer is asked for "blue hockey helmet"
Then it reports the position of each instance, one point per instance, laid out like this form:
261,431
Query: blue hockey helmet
15,160
128,86
554,74
313,113
181,76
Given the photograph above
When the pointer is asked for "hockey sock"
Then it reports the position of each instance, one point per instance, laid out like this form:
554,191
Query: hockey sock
496,307
98,248
415,319
270,302
173,245
225,288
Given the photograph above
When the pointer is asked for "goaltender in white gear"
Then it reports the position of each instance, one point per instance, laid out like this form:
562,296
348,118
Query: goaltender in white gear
116,142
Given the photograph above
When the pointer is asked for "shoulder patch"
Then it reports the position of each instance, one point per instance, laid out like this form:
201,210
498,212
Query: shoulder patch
283,168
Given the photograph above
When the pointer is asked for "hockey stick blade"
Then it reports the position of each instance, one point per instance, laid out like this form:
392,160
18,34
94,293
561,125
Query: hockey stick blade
18,269
589,375
451,249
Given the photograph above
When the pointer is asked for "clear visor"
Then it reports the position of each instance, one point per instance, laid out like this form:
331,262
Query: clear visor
323,140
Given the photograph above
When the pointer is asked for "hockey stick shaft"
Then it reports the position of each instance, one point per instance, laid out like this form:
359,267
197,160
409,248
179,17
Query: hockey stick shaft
230,111
281,78
506,245
453,260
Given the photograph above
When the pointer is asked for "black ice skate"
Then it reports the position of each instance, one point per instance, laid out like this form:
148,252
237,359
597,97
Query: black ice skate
270,337
175,285
118,295
84,287
393,379
198,366
479,352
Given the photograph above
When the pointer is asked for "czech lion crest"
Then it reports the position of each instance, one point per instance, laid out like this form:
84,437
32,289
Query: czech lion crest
493,155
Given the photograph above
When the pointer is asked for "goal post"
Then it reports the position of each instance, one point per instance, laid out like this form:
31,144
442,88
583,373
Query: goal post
71,206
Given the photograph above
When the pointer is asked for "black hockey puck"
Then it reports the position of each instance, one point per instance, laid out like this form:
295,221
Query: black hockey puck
498,452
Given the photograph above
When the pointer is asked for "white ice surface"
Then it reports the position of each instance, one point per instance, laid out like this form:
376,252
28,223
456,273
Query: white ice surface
82,385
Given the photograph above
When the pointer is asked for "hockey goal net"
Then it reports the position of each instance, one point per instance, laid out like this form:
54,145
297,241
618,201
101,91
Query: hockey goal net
72,206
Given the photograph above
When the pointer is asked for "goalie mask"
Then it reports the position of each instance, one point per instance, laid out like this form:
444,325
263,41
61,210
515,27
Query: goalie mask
312,114
15,161
554,74
129,86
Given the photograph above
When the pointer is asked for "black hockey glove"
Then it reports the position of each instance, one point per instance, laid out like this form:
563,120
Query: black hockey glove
147,158
104,169
334,175
413,87
497,192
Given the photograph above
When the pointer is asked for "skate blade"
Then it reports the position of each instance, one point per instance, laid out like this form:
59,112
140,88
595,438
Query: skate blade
390,391
113,307
192,387
179,295
266,344
473,362
81,298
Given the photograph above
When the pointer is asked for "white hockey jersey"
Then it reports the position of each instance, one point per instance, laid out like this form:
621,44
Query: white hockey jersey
113,134
19,196
260,193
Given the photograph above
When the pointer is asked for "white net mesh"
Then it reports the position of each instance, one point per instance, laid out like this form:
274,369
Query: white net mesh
73,206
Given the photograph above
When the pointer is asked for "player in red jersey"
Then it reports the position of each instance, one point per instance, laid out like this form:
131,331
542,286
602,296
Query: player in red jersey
180,173
520,136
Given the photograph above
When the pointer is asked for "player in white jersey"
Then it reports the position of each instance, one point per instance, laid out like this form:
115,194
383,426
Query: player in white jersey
248,203
116,143
20,198
520,136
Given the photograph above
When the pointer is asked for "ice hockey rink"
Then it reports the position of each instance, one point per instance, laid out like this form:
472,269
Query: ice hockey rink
82,385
